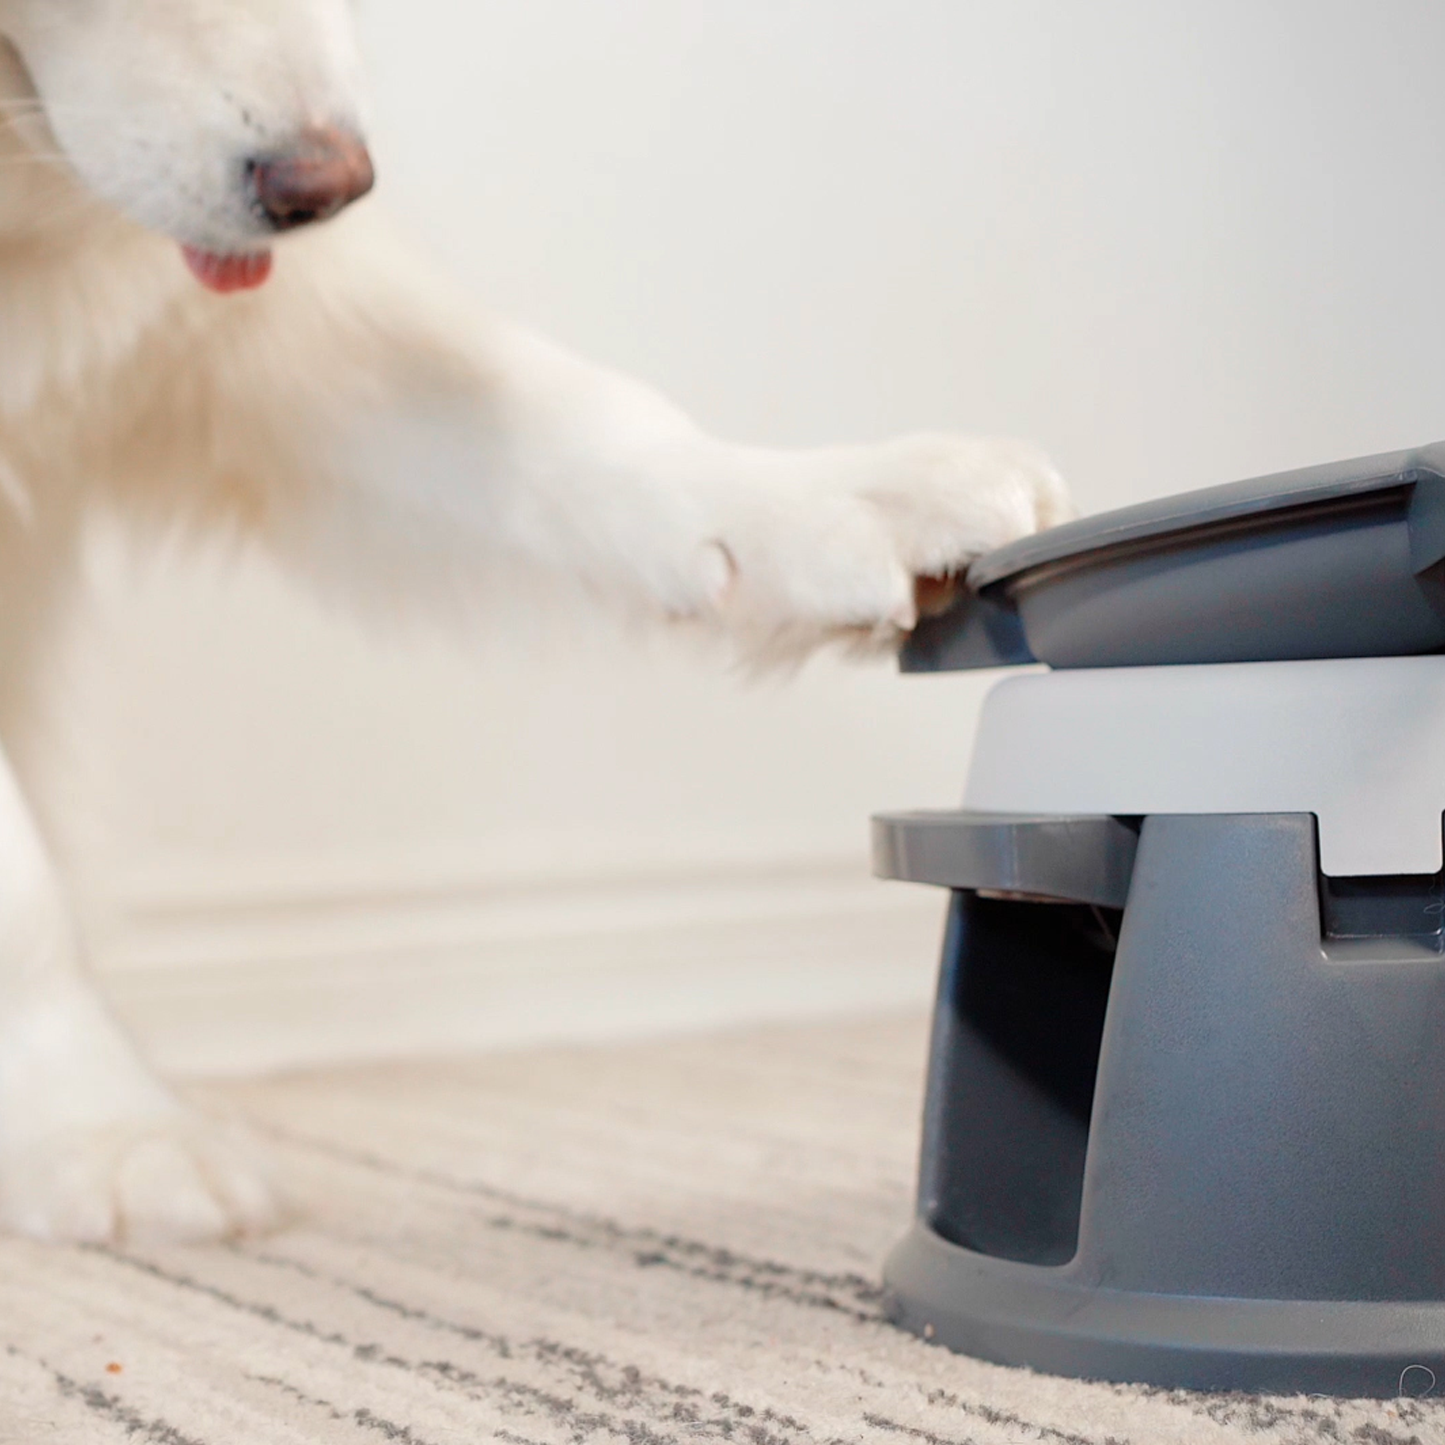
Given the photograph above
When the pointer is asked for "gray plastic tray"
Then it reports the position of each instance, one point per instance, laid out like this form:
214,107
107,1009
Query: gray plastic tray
1344,560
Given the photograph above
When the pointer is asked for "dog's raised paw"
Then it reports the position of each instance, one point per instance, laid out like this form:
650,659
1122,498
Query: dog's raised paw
181,1179
948,499
862,541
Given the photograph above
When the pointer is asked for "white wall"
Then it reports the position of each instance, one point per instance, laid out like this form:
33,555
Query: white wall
1175,243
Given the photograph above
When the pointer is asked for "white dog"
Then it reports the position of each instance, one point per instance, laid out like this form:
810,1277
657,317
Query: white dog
151,152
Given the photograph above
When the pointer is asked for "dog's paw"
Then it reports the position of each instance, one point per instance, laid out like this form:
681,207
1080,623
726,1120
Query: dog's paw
175,1177
947,500
868,537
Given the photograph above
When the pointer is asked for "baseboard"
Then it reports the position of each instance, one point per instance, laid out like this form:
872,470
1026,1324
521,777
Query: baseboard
236,975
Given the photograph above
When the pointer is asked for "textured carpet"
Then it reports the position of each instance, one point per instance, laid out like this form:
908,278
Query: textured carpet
649,1244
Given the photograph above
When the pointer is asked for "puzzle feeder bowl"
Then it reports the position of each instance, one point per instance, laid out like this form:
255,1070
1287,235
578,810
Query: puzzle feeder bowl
1185,1118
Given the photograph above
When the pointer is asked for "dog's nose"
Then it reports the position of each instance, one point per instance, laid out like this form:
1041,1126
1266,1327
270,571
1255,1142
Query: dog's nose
312,179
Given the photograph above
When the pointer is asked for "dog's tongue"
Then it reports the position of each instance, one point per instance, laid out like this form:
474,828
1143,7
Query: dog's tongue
228,273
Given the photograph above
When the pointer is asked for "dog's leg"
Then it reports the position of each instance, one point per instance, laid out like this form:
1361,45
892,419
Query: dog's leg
395,452
92,1146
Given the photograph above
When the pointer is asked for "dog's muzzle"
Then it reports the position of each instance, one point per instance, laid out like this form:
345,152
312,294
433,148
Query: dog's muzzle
325,170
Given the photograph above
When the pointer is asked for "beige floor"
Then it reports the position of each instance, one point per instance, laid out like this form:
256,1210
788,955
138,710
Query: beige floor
649,1243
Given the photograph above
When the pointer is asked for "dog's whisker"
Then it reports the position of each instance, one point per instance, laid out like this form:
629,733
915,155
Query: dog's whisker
41,104
42,108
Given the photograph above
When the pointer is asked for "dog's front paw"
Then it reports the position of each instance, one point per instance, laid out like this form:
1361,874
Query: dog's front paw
852,547
947,500
170,1177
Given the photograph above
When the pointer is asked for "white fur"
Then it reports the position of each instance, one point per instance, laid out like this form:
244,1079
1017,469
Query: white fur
345,417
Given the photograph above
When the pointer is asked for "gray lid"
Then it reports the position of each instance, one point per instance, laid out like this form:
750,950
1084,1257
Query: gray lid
1189,510
1342,560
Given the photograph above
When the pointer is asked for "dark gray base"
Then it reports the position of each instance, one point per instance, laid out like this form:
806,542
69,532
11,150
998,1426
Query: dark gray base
1017,1314
1199,1141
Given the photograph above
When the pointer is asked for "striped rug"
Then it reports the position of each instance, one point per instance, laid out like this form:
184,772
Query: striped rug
651,1244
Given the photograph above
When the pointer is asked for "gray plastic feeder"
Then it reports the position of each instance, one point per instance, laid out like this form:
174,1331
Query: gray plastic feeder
1185,1120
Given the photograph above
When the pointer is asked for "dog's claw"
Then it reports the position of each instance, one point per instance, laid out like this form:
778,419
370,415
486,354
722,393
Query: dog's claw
933,596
